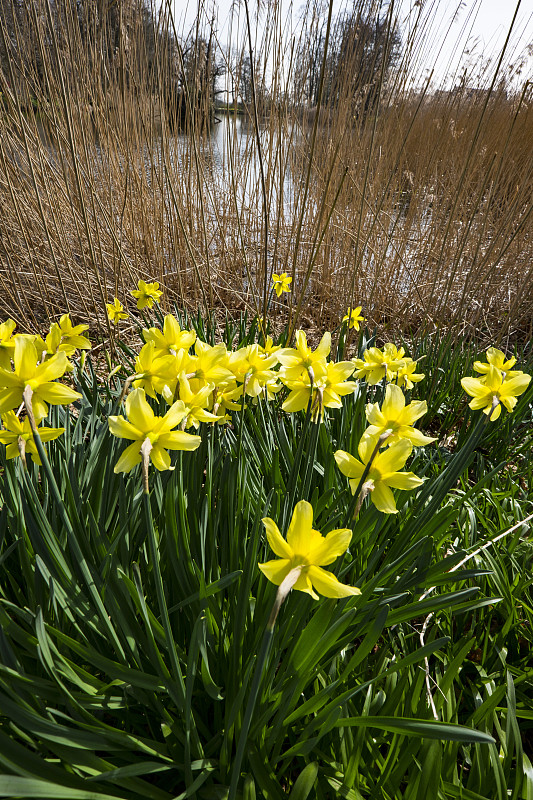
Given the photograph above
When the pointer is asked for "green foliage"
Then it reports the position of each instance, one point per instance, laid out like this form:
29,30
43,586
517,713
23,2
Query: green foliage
135,660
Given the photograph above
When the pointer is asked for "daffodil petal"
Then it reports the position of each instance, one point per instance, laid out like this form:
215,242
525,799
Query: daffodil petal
348,465
276,570
139,412
47,434
327,584
404,480
129,458
123,429
276,541
330,547
56,393
303,584
383,499
160,458
300,527
179,440
10,399
394,458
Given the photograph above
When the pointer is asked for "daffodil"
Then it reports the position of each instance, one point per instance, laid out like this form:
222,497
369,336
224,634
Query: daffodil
396,417
40,377
153,373
195,402
281,283
376,364
143,424
384,473
297,360
354,318
269,348
146,294
115,311
71,338
307,549
326,391
495,390
172,339
18,436
7,343
253,368
495,358
209,364
406,375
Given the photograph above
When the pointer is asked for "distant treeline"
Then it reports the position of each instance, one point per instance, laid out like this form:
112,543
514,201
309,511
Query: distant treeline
117,42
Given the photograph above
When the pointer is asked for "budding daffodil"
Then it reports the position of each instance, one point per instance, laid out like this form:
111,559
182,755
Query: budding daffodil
495,388
146,294
143,424
354,318
115,311
383,474
39,377
308,549
17,433
395,416
281,283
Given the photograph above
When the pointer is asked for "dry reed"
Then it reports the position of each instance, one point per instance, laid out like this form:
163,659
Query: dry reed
418,209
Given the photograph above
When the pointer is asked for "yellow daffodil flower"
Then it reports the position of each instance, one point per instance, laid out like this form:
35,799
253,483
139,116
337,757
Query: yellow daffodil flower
308,549
383,474
495,358
301,359
354,318
208,364
253,369
17,433
406,375
153,373
71,338
281,283
195,402
495,388
269,348
143,424
171,340
7,343
115,311
327,390
225,399
147,294
376,365
39,377
395,416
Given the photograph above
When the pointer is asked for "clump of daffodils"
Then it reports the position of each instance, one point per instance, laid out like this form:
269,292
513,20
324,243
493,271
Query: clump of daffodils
498,385
390,363
30,368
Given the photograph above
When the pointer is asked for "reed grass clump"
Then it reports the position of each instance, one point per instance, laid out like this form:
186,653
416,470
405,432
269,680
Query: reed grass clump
122,157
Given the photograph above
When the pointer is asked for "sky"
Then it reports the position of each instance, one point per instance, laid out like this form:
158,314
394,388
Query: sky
460,33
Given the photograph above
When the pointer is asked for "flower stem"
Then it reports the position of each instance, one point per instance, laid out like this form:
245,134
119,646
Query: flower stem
266,644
